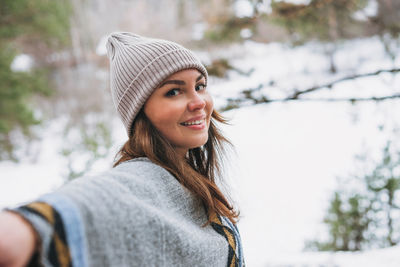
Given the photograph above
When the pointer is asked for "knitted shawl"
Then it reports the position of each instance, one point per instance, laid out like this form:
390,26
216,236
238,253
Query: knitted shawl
136,214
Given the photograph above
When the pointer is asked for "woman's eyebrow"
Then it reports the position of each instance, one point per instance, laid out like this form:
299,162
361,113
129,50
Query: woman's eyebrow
179,82
199,78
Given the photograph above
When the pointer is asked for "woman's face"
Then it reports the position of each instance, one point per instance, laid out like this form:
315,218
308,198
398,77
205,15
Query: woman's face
180,108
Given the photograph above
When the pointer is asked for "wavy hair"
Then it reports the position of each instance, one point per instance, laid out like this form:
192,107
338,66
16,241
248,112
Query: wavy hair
197,172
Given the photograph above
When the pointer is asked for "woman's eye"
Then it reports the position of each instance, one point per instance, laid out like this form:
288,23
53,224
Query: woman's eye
200,87
172,92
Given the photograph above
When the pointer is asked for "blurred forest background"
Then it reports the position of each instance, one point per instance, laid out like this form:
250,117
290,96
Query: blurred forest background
53,69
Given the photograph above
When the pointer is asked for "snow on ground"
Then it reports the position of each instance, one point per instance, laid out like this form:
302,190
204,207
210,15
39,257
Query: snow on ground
388,257
287,155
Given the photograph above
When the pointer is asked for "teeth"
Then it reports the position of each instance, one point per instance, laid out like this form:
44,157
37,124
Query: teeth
193,122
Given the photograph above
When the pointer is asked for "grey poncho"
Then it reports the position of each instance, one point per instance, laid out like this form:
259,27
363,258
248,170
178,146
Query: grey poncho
136,214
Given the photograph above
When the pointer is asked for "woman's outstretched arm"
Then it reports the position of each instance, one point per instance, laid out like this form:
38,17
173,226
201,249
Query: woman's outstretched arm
17,240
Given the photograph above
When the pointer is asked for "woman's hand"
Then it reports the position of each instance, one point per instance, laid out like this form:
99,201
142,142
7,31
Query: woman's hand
17,240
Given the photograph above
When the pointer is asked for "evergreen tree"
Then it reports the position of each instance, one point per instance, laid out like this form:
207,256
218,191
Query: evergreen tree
327,21
324,20
348,222
371,216
359,222
383,185
16,88
25,24
339,230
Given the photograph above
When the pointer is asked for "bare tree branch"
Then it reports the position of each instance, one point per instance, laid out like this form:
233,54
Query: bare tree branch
331,84
349,99
249,98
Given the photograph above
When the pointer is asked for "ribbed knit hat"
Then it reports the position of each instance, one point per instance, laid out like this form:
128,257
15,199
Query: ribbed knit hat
138,65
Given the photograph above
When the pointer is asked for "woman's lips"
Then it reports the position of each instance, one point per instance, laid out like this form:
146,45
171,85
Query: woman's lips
195,124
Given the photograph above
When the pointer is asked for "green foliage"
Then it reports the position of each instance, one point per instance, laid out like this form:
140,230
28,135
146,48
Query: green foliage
227,29
369,217
348,222
44,19
16,91
82,150
324,20
384,184
25,23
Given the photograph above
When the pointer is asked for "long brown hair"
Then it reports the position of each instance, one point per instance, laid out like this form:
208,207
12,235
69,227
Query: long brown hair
198,172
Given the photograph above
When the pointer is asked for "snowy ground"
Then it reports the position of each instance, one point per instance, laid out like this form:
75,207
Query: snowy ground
287,155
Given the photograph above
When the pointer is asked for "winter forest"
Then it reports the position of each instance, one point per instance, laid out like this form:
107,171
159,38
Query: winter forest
311,89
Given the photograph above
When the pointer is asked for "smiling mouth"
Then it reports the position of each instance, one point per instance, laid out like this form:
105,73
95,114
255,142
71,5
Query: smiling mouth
196,122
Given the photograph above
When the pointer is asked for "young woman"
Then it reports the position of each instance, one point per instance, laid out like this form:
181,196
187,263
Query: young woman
159,205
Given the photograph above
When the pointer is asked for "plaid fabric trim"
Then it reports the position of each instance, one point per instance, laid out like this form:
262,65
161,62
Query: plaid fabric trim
226,232
58,252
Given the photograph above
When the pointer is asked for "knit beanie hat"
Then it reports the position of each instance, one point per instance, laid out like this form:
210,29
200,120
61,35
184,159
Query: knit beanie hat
138,65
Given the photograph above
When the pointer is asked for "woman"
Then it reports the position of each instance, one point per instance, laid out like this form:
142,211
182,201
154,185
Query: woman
159,205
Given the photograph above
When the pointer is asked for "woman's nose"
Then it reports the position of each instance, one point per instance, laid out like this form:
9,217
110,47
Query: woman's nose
196,102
